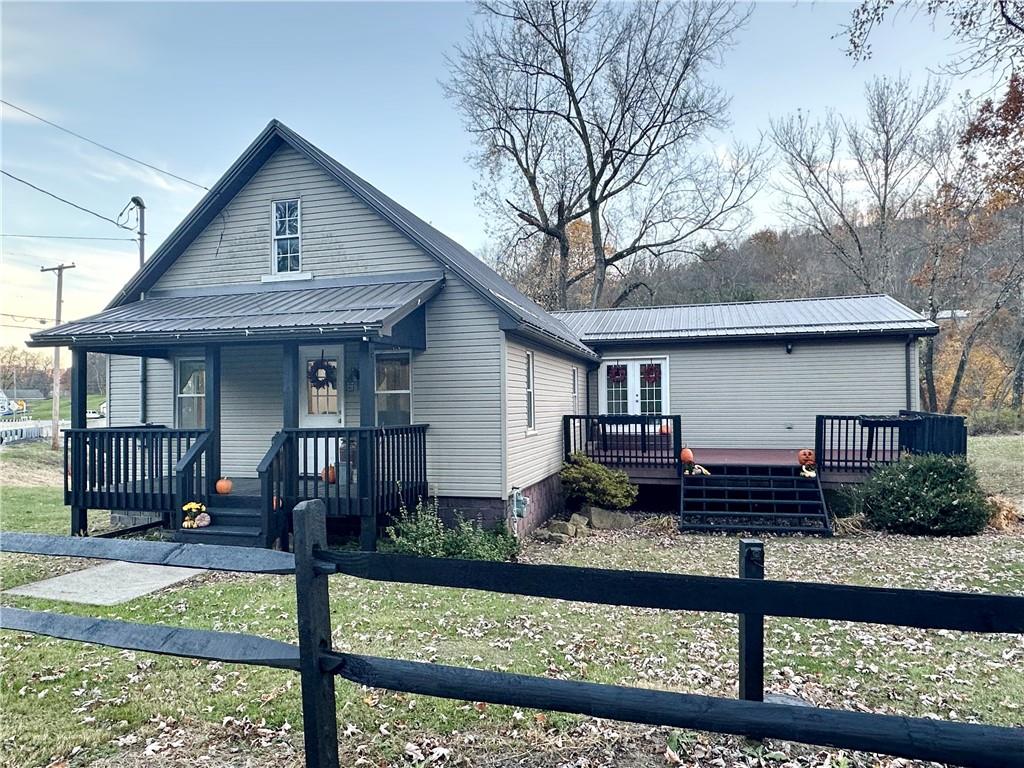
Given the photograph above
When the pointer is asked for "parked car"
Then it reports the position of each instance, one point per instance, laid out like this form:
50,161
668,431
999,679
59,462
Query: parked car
103,409
93,414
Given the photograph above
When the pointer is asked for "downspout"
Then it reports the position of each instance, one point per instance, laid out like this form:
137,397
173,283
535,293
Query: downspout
909,368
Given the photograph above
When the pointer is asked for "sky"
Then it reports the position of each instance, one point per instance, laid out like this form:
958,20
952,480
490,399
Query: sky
186,87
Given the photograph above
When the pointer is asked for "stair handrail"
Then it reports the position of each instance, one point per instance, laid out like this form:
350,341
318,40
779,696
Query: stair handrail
185,475
269,505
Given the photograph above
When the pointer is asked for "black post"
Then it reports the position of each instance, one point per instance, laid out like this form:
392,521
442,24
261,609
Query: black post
367,489
79,381
566,437
751,626
290,418
211,416
319,715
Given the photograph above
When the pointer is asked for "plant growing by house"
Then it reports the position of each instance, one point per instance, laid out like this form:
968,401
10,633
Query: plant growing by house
926,494
423,533
584,481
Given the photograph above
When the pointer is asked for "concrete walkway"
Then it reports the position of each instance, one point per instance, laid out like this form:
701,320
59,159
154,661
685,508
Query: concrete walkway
107,584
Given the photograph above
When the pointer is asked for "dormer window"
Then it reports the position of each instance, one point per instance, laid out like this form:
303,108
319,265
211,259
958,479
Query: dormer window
287,248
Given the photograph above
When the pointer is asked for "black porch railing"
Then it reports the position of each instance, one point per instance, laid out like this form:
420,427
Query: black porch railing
861,443
360,471
627,441
131,468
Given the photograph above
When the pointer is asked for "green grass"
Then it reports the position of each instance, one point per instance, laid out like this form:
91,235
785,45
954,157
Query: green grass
64,700
999,460
43,409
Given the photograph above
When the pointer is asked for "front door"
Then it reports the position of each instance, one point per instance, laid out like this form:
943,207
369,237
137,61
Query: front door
634,387
321,402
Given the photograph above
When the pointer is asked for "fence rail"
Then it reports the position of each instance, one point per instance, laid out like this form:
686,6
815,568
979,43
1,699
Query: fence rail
861,443
750,596
627,441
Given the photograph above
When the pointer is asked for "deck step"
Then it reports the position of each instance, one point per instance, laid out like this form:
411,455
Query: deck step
239,536
753,499
234,500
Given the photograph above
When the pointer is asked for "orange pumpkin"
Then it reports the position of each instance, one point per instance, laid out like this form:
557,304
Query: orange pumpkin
666,428
329,474
805,457
686,456
224,486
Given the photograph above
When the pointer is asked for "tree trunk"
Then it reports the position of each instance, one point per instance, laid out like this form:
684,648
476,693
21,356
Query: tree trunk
600,266
961,369
928,363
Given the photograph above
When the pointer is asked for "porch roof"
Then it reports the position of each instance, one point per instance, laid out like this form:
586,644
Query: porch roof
339,307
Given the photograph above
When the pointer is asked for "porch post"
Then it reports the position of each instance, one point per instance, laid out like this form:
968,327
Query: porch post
367,445
290,415
211,417
79,380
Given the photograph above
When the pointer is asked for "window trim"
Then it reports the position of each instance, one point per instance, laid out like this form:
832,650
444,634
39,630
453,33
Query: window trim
274,237
575,390
666,374
177,390
531,394
395,352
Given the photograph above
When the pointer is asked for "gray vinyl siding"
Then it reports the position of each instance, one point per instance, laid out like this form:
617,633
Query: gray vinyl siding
534,455
250,409
754,395
123,391
456,385
340,235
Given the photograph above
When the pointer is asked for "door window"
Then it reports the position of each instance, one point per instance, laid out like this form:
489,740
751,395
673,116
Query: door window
634,388
322,386
617,388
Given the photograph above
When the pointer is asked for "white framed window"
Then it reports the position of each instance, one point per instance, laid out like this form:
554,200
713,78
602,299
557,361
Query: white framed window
575,390
286,243
190,393
531,411
393,389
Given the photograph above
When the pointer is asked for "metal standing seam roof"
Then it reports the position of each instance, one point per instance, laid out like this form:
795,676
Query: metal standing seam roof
253,310
527,317
840,315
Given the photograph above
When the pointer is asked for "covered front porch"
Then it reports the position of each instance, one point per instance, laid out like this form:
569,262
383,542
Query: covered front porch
288,412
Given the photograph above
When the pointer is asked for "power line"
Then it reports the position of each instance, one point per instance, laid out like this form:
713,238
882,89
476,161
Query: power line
25,318
63,200
68,237
103,146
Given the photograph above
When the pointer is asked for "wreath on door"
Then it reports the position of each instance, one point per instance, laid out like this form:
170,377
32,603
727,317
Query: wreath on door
651,374
616,374
323,373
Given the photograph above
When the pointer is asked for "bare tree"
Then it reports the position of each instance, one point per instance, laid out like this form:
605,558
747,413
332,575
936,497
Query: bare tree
601,111
991,32
850,182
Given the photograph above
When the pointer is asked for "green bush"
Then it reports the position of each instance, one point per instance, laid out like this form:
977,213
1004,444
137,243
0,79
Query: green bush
928,494
1005,421
587,482
844,501
423,533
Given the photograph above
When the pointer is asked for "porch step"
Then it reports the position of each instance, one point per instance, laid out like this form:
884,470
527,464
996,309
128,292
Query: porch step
238,536
753,499
235,516
234,500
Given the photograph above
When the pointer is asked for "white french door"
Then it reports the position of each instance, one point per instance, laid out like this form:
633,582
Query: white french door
321,402
633,387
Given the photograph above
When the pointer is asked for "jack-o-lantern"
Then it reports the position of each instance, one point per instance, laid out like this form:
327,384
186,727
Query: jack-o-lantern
686,456
224,486
805,457
666,428
329,474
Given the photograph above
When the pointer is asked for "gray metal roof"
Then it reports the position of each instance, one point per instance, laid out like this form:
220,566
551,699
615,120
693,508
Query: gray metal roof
520,313
833,316
262,311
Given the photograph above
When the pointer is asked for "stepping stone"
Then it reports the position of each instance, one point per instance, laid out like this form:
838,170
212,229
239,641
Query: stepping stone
107,584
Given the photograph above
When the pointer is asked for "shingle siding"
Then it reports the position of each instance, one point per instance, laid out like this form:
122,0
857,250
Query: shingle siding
340,235
754,395
536,455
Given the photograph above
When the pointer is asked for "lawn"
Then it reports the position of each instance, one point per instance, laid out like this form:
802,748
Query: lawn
43,409
103,707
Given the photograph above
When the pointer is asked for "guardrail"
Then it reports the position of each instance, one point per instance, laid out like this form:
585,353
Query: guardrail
982,746
861,443
624,441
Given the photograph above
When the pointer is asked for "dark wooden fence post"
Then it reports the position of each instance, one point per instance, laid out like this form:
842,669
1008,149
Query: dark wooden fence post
751,626
319,715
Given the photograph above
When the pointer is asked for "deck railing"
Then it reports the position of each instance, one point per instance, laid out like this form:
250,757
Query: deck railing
355,471
627,441
861,443
318,661
129,468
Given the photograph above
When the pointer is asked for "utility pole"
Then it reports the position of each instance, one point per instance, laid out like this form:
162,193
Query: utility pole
55,438
140,206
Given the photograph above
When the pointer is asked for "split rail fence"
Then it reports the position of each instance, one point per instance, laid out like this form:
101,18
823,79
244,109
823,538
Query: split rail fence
751,597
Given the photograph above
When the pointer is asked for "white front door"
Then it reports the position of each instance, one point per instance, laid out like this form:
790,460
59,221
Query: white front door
634,387
321,401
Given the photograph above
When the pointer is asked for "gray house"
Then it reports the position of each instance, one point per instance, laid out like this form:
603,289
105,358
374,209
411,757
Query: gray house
304,335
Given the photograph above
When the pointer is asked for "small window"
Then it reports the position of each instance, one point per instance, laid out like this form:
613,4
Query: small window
531,414
190,401
575,389
394,389
287,236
